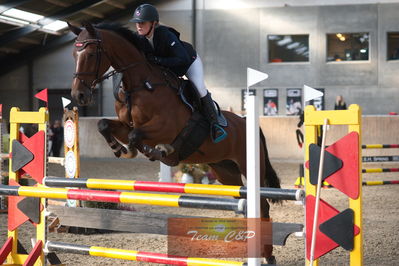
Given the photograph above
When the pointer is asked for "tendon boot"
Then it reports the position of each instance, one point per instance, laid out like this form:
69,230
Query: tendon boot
208,108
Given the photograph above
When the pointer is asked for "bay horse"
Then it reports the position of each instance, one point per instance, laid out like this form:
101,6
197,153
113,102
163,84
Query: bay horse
152,115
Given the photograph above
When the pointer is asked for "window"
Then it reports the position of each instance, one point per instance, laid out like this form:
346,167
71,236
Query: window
393,46
348,46
288,48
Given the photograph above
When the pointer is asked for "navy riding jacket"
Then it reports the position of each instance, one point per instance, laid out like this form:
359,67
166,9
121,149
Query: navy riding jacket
169,50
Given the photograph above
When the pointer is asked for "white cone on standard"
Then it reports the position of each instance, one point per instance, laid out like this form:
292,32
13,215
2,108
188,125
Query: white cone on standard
310,93
65,102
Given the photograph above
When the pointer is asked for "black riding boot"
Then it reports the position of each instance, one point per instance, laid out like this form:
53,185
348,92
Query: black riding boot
208,108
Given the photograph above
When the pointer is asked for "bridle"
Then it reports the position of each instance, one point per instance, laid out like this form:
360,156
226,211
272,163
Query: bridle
81,45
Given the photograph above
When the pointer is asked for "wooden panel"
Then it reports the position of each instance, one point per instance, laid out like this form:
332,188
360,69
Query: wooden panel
117,220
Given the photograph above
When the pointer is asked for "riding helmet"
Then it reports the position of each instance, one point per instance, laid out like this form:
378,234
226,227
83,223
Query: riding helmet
145,12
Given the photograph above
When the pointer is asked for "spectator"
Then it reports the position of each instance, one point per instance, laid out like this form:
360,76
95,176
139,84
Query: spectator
340,103
58,138
50,141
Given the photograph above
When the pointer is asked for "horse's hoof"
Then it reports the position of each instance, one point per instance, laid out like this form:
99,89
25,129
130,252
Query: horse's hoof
152,153
271,260
128,153
165,148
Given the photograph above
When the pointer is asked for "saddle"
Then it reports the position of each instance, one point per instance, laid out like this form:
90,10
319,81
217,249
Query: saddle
197,127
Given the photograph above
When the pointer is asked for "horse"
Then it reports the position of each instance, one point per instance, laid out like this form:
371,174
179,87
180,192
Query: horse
151,114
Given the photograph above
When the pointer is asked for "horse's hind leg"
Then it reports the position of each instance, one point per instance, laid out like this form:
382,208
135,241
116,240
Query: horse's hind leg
112,131
227,172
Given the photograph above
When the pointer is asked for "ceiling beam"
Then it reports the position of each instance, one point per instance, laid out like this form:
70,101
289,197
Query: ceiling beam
29,40
15,34
58,3
11,4
93,13
9,50
115,4
87,12
69,11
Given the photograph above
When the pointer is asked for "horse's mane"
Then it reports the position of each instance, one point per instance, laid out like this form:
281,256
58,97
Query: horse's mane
123,31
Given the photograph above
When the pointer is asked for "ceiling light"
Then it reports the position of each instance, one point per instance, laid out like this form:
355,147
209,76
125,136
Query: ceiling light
56,25
13,21
19,14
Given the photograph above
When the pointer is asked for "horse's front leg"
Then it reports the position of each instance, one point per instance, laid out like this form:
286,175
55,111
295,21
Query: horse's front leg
114,130
160,151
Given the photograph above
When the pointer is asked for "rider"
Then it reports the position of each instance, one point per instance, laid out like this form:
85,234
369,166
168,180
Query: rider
162,46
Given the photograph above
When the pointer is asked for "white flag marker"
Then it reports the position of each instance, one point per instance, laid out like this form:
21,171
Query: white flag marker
255,76
310,93
65,102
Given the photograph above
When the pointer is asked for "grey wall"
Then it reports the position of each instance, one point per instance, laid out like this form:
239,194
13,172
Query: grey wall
54,70
231,40
14,89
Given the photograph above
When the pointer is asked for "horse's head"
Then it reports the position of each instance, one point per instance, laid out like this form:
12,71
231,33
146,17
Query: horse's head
90,62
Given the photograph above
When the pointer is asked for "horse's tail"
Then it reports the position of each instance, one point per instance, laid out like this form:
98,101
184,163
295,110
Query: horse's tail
271,178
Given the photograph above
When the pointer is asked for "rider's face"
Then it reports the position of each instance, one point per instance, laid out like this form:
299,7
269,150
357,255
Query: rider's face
143,28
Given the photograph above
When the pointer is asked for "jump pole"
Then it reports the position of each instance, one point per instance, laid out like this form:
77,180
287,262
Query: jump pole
380,146
135,255
380,170
202,189
125,197
381,182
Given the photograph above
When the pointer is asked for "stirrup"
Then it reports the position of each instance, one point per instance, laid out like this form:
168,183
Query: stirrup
221,137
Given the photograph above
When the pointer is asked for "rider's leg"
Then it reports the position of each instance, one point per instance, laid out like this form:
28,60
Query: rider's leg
195,74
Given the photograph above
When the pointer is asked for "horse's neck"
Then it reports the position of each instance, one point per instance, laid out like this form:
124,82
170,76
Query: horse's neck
124,54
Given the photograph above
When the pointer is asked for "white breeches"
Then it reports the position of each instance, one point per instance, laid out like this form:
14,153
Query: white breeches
195,74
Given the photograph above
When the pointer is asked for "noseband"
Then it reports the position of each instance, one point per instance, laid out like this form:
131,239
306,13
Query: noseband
81,45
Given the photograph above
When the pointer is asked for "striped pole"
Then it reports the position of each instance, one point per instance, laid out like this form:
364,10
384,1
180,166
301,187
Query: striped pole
135,255
219,190
125,197
380,146
378,159
382,182
380,170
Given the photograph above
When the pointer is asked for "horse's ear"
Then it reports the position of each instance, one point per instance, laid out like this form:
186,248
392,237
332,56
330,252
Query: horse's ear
74,29
90,29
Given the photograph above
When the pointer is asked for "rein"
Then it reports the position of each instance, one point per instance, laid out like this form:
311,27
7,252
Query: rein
81,45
